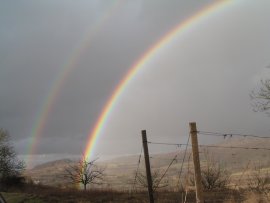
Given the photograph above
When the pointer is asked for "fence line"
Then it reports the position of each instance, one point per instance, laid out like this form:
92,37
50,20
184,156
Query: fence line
187,145
211,146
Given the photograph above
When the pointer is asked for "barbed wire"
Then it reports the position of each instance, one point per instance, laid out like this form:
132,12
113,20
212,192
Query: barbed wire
230,134
235,147
166,143
212,146
162,159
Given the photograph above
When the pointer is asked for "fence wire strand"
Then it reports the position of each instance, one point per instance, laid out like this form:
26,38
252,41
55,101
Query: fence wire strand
212,146
230,134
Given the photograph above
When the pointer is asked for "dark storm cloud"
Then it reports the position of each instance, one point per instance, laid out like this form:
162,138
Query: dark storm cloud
37,39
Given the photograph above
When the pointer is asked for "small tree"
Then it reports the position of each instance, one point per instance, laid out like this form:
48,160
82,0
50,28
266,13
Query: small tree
10,167
141,180
84,172
261,97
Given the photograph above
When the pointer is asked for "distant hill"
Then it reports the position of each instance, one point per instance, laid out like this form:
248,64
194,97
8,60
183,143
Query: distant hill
50,173
120,172
57,163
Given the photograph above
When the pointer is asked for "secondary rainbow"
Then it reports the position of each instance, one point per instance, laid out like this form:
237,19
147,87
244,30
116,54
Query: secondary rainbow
143,60
59,81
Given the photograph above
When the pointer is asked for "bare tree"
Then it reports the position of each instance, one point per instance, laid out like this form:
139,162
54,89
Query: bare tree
10,167
261,97
84,172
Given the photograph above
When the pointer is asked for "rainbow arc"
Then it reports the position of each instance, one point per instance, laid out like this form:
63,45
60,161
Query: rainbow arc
143,60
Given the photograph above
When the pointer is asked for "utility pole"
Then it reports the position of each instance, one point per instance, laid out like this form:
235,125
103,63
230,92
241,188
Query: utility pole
147,167
196,162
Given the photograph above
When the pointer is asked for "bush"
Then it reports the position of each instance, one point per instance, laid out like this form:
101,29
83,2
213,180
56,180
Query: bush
214,176
259,181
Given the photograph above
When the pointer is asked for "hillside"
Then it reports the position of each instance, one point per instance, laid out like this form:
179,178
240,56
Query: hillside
120,172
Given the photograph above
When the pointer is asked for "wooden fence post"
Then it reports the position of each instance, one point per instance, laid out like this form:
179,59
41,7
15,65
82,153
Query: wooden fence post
147,167
196,162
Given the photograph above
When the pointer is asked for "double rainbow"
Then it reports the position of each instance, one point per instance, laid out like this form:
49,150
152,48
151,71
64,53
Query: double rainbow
67,69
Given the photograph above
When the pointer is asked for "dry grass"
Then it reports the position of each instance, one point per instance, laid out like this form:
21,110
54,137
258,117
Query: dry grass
52,194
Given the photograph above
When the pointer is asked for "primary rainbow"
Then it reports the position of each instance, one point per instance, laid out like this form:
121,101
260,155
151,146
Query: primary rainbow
143,60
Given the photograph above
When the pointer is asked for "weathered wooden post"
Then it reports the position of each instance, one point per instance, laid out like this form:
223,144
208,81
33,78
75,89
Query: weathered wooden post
196,162
147,167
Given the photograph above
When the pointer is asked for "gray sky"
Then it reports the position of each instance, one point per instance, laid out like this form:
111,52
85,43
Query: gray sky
205,75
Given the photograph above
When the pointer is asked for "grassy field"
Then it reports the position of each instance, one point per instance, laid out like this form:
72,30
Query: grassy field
45,194
247,170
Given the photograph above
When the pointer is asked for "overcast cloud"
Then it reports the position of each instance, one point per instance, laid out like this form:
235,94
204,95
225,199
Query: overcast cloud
205,75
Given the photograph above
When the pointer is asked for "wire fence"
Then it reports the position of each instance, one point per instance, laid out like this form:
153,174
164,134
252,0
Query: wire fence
176,171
